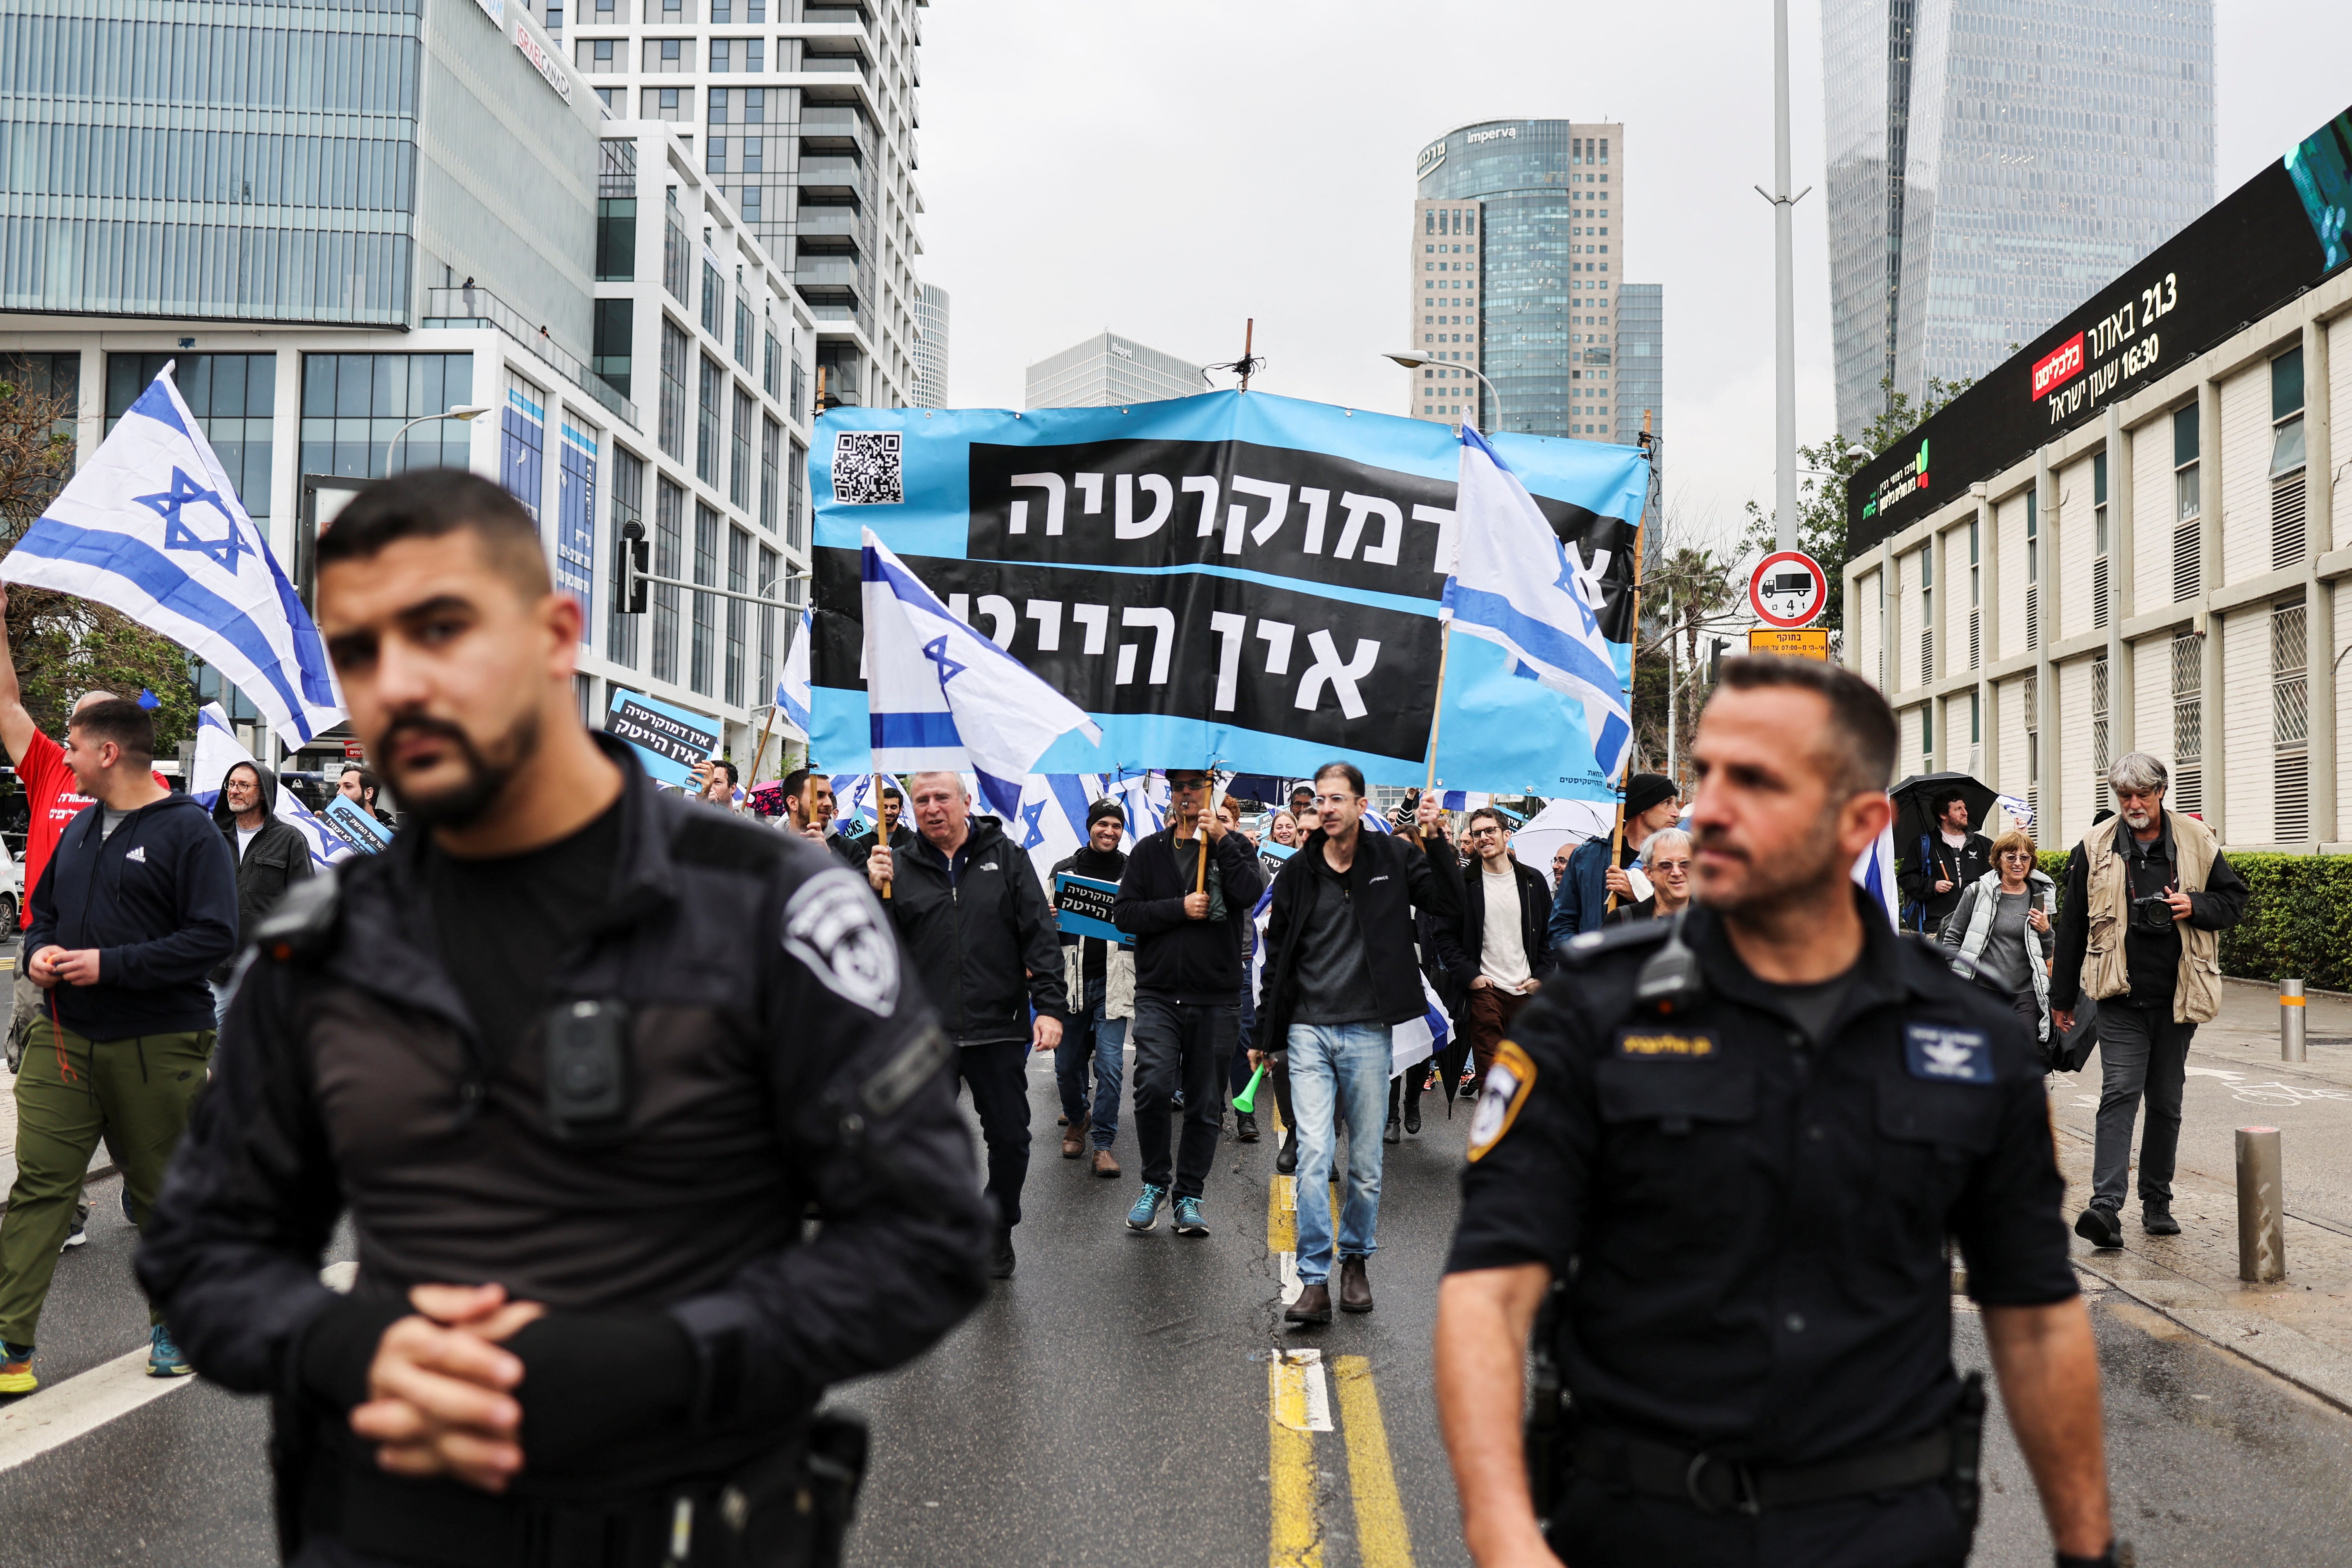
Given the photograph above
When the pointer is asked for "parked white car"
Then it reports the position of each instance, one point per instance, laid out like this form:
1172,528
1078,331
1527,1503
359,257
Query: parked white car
12,891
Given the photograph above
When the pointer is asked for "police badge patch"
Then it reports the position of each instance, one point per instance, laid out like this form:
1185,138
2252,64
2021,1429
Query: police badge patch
833,926
1509,1081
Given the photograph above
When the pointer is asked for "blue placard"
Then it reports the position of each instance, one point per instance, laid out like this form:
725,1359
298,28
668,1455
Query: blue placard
354,825
1083,908
669,741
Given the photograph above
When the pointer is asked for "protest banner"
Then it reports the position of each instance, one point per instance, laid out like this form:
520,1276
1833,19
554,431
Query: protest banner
1253,581
1084,906
357,826
669,741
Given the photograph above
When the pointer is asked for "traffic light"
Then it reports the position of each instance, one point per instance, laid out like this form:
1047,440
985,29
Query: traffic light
634,553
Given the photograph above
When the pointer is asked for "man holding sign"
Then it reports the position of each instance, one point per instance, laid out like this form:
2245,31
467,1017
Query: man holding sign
1101,976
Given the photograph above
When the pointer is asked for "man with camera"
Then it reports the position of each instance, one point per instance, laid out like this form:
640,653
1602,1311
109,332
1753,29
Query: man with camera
2148,896
582,1061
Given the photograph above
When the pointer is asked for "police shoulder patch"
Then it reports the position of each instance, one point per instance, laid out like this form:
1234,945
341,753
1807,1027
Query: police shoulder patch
1509,1081
1948,1053
833,925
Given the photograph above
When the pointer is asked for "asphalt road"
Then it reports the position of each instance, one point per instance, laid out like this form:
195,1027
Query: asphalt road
1119,1401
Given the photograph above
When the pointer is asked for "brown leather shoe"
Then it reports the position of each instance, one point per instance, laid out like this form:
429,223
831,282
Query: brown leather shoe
1105,1165
1313,1306
1074,1138
1355,1288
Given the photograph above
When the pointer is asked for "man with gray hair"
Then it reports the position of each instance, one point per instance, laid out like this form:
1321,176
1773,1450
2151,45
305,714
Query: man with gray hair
2147,894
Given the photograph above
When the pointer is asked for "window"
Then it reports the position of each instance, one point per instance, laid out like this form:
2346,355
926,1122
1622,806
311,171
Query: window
770,567
772,437
2031,698
797,405
616,213
666,55
706,429
738,476
2189,504
743,325
616,324
2099,540
670,560
714,301
703,651
232,396
677,257
738,578
522,446
2291,720
670,428
628,507
721,52
2099,757
771,351
595,56
2033,568
714,155
755,54
2187,722
352,405
1976,604
668,103
1927,613
2288,537
722,10
795,534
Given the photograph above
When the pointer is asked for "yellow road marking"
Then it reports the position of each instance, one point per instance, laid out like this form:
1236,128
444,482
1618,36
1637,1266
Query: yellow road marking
1295,1542
1382,1537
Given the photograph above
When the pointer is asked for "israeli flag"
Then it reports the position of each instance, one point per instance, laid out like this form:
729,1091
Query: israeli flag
1145,795
153,528
941,696
1875,871
219,749
792,691
1514,586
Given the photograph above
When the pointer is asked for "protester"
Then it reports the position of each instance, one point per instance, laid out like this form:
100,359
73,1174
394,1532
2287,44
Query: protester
974,921
1188,982
1504,919
1581,901
1559,858
810,812
1437,946
1948,858
1284,830
2158,878
1339,975
271,856
2001,928
1302,798
646,1136
887,830
1733,1151
1100,976
137,900
715,785
1666,862
361,785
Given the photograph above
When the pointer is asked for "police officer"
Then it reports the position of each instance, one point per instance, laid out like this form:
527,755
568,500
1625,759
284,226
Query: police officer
580,1061
1738,1140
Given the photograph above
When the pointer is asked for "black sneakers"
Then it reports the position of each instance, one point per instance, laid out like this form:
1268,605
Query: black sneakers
1244,1127
2098,1226
999,1256
2157,1220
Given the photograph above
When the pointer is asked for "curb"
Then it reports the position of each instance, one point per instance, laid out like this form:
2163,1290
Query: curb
2318,1370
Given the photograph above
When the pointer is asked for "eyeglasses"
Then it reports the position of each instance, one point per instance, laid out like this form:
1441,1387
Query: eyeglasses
1343,799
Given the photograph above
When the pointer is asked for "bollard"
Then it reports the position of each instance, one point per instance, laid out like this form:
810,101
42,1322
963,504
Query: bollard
2262,1207
2291,1007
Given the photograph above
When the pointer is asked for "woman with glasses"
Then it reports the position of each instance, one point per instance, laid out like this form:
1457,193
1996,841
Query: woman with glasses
2001,930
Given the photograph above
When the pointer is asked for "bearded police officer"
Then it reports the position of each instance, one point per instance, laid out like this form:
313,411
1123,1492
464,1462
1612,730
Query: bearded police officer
583,1062
1739,1139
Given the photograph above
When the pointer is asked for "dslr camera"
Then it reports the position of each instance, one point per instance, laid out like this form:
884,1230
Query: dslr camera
2152,913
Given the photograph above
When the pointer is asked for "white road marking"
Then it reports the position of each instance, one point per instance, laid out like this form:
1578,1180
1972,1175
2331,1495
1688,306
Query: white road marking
57,1415
1292,1286
1300,1372
2225,1076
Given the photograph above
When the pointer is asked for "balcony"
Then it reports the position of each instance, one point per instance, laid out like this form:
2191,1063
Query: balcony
833,179
834,128
827,274
833,228
480,307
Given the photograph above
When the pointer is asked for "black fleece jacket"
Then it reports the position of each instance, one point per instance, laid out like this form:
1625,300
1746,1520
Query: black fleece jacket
981,934
1195,962
1389,879
157,898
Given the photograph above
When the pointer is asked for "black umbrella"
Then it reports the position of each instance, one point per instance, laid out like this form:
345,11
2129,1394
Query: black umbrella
1911,799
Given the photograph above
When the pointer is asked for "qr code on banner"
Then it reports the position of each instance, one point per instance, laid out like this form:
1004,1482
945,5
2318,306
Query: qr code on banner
866,468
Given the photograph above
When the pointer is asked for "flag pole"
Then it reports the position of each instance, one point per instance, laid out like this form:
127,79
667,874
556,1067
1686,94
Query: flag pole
761,754
1437,714
881,827
1633,651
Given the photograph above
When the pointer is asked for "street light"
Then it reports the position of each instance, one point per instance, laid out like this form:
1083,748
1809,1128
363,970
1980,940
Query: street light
1412,360
456,411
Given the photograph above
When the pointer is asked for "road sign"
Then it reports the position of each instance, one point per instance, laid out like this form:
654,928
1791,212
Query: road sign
1787,589
1800,642
354,752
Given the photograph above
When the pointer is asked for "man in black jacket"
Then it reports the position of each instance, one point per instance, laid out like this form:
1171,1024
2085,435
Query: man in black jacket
1189,922
1339,975
968,905
1091,1060
581,1061
136,904
271,856
1948,858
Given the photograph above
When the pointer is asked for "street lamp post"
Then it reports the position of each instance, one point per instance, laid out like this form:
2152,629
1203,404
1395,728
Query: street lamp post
1415,361
468,411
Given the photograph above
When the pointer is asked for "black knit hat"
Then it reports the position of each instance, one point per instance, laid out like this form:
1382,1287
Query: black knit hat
1644,791
1105,807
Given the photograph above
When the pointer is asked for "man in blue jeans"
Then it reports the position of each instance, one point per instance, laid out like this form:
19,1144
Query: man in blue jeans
1101,978
1340,973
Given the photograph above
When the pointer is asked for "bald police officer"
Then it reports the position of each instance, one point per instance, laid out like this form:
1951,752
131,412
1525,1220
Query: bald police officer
1737,1140
581,1061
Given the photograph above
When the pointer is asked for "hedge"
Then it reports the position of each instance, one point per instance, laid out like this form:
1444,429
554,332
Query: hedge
2298,920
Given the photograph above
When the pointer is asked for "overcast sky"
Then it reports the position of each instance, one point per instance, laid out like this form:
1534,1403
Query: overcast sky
1168,168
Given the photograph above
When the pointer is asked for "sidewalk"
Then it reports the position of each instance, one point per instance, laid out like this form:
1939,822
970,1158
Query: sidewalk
2300,1329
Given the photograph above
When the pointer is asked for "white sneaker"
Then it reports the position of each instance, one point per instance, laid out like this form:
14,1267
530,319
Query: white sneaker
77,1236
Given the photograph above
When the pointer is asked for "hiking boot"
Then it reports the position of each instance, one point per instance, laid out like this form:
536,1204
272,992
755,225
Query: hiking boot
163,1357
1105,1164
2157,1219
1145,1215
1313,1306
1355,1287
1073,1138
1244,1127
17,1369
1189,1219
2098,1226
1286,1159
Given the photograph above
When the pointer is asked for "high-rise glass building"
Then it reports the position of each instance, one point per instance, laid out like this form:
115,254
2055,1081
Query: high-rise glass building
1991,162
932,348
1517,268
1108,371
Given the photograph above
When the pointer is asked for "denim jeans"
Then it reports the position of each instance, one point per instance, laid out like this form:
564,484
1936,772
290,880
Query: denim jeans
2141,1051
1187,1046
1092,1040
1338,1070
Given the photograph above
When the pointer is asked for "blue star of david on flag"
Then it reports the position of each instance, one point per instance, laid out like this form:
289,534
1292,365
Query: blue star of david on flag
1033,833
179,536
936,650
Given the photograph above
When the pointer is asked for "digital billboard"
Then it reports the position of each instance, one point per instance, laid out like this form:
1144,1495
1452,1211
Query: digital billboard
2258,246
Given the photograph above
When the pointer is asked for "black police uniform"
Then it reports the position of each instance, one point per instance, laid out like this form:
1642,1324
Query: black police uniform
766,1060
1747,1218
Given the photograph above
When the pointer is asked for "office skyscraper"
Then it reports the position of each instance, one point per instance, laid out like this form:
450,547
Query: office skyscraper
1517,261
805,115
1107,370
932,348
1991,162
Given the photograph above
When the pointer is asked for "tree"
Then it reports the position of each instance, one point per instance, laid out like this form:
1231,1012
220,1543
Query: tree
65,646
1821,498
1691,591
